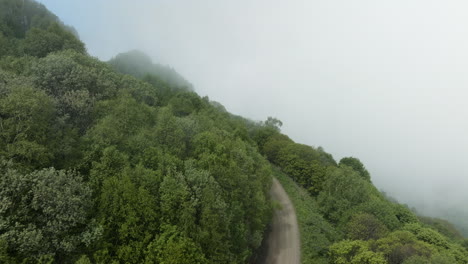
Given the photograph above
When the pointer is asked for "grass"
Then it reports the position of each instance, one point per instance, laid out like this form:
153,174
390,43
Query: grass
316,233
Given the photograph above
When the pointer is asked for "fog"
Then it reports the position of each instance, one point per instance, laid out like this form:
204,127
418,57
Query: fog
383,81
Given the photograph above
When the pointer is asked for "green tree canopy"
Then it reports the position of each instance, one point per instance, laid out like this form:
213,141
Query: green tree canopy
356,165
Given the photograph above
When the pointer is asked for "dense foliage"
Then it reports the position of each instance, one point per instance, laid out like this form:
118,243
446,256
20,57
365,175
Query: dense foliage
100,167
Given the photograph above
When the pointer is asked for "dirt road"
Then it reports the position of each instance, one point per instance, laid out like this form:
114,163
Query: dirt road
283,246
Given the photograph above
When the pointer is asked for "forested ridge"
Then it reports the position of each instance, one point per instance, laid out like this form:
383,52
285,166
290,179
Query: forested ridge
122,162
101,167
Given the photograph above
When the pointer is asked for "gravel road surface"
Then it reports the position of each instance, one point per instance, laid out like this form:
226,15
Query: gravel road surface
283,246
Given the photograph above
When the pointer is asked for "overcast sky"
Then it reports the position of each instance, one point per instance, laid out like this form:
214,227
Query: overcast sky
384,81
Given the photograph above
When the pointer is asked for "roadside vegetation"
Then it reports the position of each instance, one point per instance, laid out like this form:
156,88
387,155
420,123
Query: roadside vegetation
316,234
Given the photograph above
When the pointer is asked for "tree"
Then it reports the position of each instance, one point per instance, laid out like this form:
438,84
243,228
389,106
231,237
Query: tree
356,165
464,243
4,255
416,260
354,252
343,190
365,227
274,123
68,36
401,245
45,213
245,180
404,214
274,145
427,235
142,91
443,259
19,16
173,247
119,119
326,158
5,48
381,209
168,134
111,163
69,70
128,214
183,104
26,118
40,42
212,214
83,260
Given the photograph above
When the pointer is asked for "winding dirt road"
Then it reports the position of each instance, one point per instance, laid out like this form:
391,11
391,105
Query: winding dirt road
283,246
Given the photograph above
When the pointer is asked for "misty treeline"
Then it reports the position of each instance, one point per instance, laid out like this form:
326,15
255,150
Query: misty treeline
122,162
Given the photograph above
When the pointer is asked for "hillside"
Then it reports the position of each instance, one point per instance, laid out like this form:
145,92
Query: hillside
343,218
98,166
122,162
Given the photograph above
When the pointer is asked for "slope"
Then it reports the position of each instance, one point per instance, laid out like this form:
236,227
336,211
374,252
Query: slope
97,166
364,227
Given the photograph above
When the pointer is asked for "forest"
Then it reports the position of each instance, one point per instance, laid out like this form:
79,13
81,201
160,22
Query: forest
123,162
